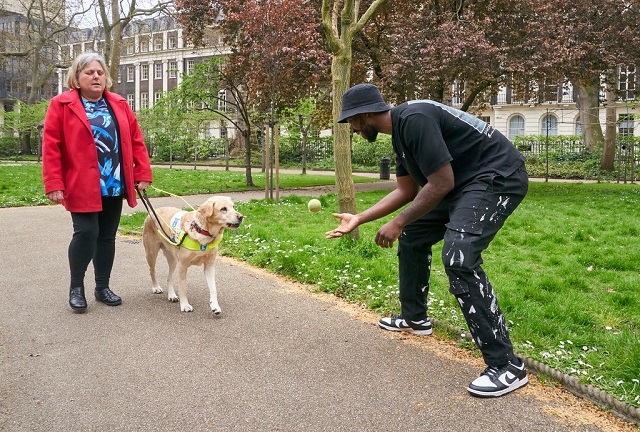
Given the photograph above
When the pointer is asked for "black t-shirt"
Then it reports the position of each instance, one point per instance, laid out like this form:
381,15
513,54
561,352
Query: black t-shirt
427,135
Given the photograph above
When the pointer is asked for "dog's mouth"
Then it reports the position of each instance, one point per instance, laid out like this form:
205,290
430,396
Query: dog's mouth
233,225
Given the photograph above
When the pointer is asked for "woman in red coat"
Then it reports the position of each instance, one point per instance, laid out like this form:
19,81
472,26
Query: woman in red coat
93,157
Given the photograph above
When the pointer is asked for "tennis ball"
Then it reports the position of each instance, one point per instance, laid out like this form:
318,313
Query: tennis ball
314,205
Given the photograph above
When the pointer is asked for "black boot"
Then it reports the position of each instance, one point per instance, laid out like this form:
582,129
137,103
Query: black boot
77,301
107,297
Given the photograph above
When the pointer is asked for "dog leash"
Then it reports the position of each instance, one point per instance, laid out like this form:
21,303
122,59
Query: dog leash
151,211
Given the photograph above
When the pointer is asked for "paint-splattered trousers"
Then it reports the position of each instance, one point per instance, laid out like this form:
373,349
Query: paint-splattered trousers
467,220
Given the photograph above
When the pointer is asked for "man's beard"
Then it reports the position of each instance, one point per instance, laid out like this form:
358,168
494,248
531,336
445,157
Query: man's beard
369,133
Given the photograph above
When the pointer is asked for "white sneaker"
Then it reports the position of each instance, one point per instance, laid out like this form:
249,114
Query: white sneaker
397,323
498,381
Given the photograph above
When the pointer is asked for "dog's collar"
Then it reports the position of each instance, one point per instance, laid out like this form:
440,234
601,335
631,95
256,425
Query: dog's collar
191,244
200,230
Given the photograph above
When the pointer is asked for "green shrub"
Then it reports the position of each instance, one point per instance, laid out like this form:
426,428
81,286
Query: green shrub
9,146
368,154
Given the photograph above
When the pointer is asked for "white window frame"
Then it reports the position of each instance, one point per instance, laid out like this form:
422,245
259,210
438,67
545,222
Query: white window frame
131,99
144,100
173,69
222,101
158,70
513,131
625,124
144,72
552,121
173,42
190,66
131,73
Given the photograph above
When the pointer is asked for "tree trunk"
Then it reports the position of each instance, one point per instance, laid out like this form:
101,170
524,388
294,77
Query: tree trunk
246,136
609,151
341,74
587,104
303,135
116,50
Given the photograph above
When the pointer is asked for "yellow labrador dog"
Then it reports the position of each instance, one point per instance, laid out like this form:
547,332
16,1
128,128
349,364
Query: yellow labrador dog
193,240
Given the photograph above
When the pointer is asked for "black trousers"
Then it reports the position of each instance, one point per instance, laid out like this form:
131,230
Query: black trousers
94,239
467,221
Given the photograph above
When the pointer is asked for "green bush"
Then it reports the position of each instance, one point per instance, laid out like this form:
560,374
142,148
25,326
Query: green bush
369,154
9,146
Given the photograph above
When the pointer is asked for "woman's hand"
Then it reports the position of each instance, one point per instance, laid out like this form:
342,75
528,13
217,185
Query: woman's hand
143,185
56,196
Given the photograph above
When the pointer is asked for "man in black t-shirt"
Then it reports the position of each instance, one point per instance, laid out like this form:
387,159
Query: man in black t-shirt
461,179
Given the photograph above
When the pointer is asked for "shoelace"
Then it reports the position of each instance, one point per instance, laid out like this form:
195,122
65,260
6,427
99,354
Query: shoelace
492,371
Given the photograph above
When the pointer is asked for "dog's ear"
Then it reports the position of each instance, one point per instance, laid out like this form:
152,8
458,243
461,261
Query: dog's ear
207,208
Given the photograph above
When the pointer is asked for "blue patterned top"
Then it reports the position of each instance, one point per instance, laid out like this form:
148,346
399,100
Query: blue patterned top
105,133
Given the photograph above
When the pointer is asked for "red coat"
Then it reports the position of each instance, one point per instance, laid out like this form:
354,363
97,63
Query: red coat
70,157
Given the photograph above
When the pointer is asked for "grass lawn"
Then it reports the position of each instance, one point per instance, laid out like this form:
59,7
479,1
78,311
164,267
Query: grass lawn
566,266
21,184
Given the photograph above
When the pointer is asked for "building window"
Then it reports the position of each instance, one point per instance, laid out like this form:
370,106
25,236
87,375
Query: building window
157,44
223,129
158,68
549,125
144,44
131,73
457,93
144,72
516,126
625,124
144,100
627,82
222,101
119,76
156,97
173,69
486,119
130,48
131,98
190,66
172,42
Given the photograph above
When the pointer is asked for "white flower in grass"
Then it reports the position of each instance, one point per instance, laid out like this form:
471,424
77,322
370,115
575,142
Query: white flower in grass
545,354
619,383
585,348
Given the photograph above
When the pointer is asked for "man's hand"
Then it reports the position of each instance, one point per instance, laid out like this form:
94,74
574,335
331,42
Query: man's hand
348,223
388,234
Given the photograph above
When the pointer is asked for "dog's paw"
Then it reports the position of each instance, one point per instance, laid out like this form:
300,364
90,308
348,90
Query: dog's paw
215,309
186,307
156,290
173,298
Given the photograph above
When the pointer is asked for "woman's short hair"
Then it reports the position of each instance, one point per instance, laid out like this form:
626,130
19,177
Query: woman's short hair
80,63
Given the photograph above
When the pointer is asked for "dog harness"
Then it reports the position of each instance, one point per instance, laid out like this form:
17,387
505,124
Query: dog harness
181,239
